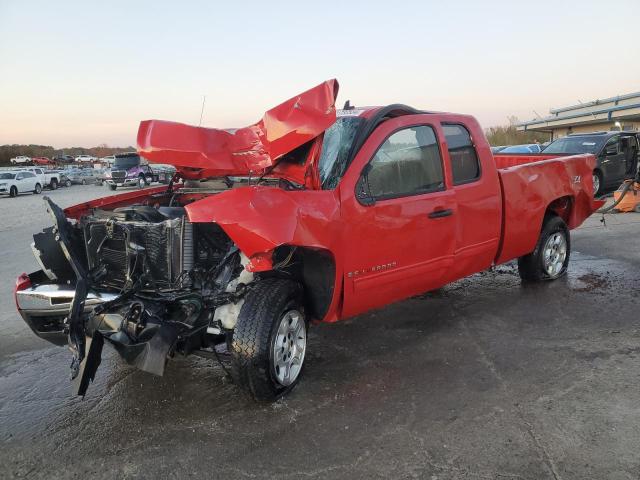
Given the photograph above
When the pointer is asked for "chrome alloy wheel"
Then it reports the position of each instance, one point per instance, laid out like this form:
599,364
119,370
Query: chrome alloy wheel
596,183
554,254
289,346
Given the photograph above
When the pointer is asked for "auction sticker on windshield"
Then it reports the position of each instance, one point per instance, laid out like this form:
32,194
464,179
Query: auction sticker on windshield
352,112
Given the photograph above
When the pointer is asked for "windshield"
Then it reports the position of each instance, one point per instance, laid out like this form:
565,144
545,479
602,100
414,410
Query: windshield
581,144
126,163
7,176
336,145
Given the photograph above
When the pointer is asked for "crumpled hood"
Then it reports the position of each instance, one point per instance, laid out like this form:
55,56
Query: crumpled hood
199,152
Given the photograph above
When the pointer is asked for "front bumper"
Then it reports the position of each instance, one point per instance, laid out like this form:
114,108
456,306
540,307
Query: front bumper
45,309
127,182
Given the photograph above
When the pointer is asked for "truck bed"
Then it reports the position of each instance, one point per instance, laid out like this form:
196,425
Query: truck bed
515,159
535,184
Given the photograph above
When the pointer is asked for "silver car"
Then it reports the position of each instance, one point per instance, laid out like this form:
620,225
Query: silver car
83,177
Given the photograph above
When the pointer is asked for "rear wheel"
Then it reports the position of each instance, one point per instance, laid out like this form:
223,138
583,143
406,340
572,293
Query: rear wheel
38,189
54,184
597,183
270,340
550,259
112,187
142,182
13,191
84,182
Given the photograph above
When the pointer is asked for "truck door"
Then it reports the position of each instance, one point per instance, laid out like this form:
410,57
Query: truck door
476,187
613,161
399,216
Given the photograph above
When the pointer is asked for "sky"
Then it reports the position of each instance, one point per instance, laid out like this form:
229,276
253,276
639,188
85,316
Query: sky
84,73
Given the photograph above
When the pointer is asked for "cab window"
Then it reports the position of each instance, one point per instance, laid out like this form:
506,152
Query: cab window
407,163
465,165
612,146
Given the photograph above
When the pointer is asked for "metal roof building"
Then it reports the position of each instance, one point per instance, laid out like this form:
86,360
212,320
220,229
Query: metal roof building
615,113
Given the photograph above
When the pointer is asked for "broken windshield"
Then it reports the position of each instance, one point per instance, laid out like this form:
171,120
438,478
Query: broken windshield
335,150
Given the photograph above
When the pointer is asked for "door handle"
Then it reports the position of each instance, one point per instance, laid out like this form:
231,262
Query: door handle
441,213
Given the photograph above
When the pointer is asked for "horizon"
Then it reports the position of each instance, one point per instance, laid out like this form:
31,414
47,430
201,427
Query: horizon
80,74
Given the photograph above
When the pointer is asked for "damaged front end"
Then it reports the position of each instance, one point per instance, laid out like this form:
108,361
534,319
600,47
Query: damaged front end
141,278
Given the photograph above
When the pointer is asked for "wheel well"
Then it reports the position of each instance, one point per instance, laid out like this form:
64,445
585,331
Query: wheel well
560,207
315,269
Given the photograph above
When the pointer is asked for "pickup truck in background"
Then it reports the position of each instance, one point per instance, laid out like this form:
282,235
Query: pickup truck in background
128,170
308,215
47,178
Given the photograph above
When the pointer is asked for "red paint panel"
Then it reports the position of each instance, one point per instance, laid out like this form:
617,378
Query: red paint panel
259,219
506,160
199,152
529,189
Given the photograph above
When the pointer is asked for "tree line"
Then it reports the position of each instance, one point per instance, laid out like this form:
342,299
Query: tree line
7,152
509,135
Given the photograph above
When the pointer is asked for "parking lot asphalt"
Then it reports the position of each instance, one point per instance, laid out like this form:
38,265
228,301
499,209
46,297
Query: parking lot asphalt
484,379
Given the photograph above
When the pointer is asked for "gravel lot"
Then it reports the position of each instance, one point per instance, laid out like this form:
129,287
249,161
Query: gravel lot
483,379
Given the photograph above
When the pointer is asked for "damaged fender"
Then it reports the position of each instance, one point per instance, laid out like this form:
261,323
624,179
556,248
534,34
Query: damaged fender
259,219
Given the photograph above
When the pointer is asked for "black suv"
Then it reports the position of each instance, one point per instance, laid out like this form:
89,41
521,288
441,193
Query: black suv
616,152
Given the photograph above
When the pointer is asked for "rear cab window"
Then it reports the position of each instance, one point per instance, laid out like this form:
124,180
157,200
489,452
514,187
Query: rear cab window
465,164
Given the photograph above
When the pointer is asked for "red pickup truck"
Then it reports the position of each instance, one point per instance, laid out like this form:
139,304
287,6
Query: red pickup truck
311,214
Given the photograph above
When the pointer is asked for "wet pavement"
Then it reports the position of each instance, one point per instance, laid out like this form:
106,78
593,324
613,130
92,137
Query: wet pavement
483,379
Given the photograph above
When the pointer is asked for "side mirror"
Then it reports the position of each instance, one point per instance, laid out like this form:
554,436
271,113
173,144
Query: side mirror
610,150
363,192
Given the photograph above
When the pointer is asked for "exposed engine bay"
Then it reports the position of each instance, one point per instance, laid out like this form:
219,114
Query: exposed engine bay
166,285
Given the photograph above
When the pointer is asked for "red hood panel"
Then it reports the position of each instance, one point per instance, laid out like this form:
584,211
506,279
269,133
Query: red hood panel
199,152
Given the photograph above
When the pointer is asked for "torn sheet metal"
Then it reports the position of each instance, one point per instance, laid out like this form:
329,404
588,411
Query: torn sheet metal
199,152
258,219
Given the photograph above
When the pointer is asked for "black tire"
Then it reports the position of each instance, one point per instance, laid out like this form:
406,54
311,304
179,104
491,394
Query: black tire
142,182
597,192
252,343
112,187
67,183
84,182
532,267
38,189
54,184
13,191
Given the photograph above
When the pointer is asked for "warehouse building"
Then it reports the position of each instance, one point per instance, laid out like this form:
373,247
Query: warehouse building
615,113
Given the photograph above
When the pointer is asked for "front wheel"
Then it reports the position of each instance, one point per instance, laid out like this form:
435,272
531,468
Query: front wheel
38,189
13,191
141,182
84,182
270,340
67,183
112,187
550,259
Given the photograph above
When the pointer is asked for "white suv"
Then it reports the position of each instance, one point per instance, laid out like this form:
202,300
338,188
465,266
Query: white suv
20,159
13,183
85,158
